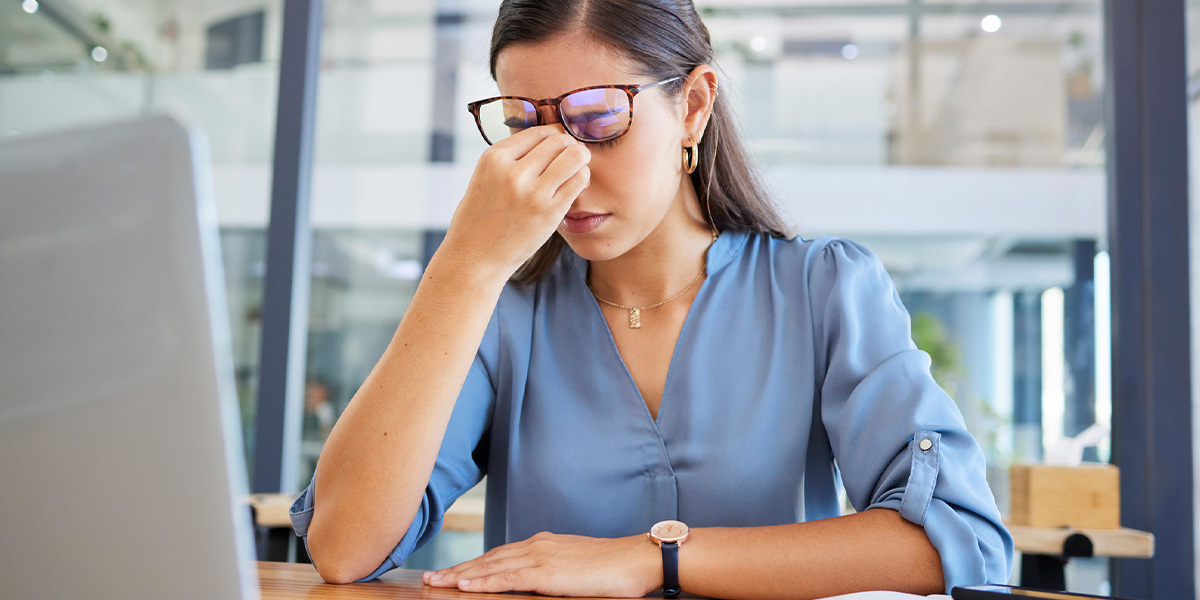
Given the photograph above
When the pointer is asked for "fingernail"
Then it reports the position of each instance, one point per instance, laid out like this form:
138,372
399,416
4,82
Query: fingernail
435,576
464,582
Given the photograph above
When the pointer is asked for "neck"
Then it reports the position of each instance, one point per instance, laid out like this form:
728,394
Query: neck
661,266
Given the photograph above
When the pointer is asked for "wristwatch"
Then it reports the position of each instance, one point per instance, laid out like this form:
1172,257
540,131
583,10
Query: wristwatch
669,535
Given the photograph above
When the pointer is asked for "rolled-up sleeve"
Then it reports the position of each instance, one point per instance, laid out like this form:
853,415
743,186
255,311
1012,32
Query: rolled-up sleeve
898,439
460,464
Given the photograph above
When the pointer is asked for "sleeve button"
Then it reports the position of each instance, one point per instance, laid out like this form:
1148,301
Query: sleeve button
926,444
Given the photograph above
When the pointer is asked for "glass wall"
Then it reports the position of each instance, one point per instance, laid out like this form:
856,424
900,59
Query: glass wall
74,62
965,148
370,197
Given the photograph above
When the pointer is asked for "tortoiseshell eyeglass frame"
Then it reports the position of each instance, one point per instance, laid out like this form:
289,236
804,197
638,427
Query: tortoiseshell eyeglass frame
629,89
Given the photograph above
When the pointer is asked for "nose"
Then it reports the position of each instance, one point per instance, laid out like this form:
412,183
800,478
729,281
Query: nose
548,114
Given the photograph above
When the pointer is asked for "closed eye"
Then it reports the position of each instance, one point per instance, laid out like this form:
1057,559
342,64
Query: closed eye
598,114
605,144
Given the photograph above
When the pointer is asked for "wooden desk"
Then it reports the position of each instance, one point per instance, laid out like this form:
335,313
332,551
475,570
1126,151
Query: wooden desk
1116,543
287,581
1045,551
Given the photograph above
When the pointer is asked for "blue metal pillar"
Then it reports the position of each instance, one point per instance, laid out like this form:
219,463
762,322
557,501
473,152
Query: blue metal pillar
289,254
1148,241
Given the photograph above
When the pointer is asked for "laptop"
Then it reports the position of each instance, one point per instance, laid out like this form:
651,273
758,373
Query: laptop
121,465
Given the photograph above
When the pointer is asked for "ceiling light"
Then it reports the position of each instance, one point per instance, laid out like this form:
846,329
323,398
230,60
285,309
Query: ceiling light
758,43
990,24
30,6
849,52
99,54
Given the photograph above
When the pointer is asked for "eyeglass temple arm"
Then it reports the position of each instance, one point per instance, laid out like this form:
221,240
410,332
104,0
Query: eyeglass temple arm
642,88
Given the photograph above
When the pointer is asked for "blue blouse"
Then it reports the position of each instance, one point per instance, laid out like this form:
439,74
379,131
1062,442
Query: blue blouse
794,373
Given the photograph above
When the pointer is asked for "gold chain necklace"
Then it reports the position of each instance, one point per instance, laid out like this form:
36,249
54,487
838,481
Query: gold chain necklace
635,312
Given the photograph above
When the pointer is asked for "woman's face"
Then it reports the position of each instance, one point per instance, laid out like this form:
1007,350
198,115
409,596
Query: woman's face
636,179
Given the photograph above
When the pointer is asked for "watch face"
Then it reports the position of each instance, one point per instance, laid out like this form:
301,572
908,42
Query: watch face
669,531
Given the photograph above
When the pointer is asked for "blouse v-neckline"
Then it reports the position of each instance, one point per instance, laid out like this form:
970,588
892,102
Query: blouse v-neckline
718,255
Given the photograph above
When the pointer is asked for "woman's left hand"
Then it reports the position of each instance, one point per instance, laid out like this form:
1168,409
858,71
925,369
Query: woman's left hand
560,565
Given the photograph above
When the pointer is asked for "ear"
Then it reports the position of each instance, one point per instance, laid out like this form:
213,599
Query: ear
700,94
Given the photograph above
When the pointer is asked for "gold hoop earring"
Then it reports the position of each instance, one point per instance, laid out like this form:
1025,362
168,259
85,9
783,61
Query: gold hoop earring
691,157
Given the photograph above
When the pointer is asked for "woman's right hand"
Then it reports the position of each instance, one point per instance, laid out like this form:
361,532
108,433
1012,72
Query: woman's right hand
522,188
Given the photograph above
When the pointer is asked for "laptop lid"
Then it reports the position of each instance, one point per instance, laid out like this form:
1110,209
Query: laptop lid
121,462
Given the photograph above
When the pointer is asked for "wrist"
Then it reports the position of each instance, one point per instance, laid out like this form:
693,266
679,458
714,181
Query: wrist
474,271
669,536
647,561
480,255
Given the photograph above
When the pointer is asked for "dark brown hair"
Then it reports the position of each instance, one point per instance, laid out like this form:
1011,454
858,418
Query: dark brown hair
662,38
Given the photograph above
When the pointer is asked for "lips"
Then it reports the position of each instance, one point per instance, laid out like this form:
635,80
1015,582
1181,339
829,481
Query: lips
583,223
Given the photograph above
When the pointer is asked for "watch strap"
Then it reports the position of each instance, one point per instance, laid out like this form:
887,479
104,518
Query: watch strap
670,556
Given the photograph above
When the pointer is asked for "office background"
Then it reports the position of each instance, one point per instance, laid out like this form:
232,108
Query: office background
968,143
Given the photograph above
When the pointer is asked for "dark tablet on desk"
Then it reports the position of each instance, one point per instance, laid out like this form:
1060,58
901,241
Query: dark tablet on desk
1006,592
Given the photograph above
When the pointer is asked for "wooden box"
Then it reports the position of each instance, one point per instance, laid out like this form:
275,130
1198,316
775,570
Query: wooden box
1084,497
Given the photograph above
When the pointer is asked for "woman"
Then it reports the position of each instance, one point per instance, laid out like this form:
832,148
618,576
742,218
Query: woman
617,332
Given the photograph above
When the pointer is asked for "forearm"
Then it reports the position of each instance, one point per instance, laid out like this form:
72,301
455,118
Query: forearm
871,550
375,466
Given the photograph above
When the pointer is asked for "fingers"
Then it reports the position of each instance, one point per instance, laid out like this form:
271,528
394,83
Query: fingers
571,188
483,569
500,557
521,143
524,580
561,163
557,156
554,565
508,206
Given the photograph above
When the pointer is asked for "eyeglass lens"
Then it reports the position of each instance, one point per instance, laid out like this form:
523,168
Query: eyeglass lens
592,115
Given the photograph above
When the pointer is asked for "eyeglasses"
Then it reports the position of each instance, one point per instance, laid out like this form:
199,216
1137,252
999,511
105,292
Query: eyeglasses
592,114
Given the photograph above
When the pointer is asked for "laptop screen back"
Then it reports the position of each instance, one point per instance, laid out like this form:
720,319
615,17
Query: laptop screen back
120,449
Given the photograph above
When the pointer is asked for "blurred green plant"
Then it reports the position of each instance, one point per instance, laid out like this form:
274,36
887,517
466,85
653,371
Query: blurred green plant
101,22
125,54
946,365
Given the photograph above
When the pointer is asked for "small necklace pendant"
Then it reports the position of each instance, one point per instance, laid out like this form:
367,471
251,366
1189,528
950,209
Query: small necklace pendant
635,318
